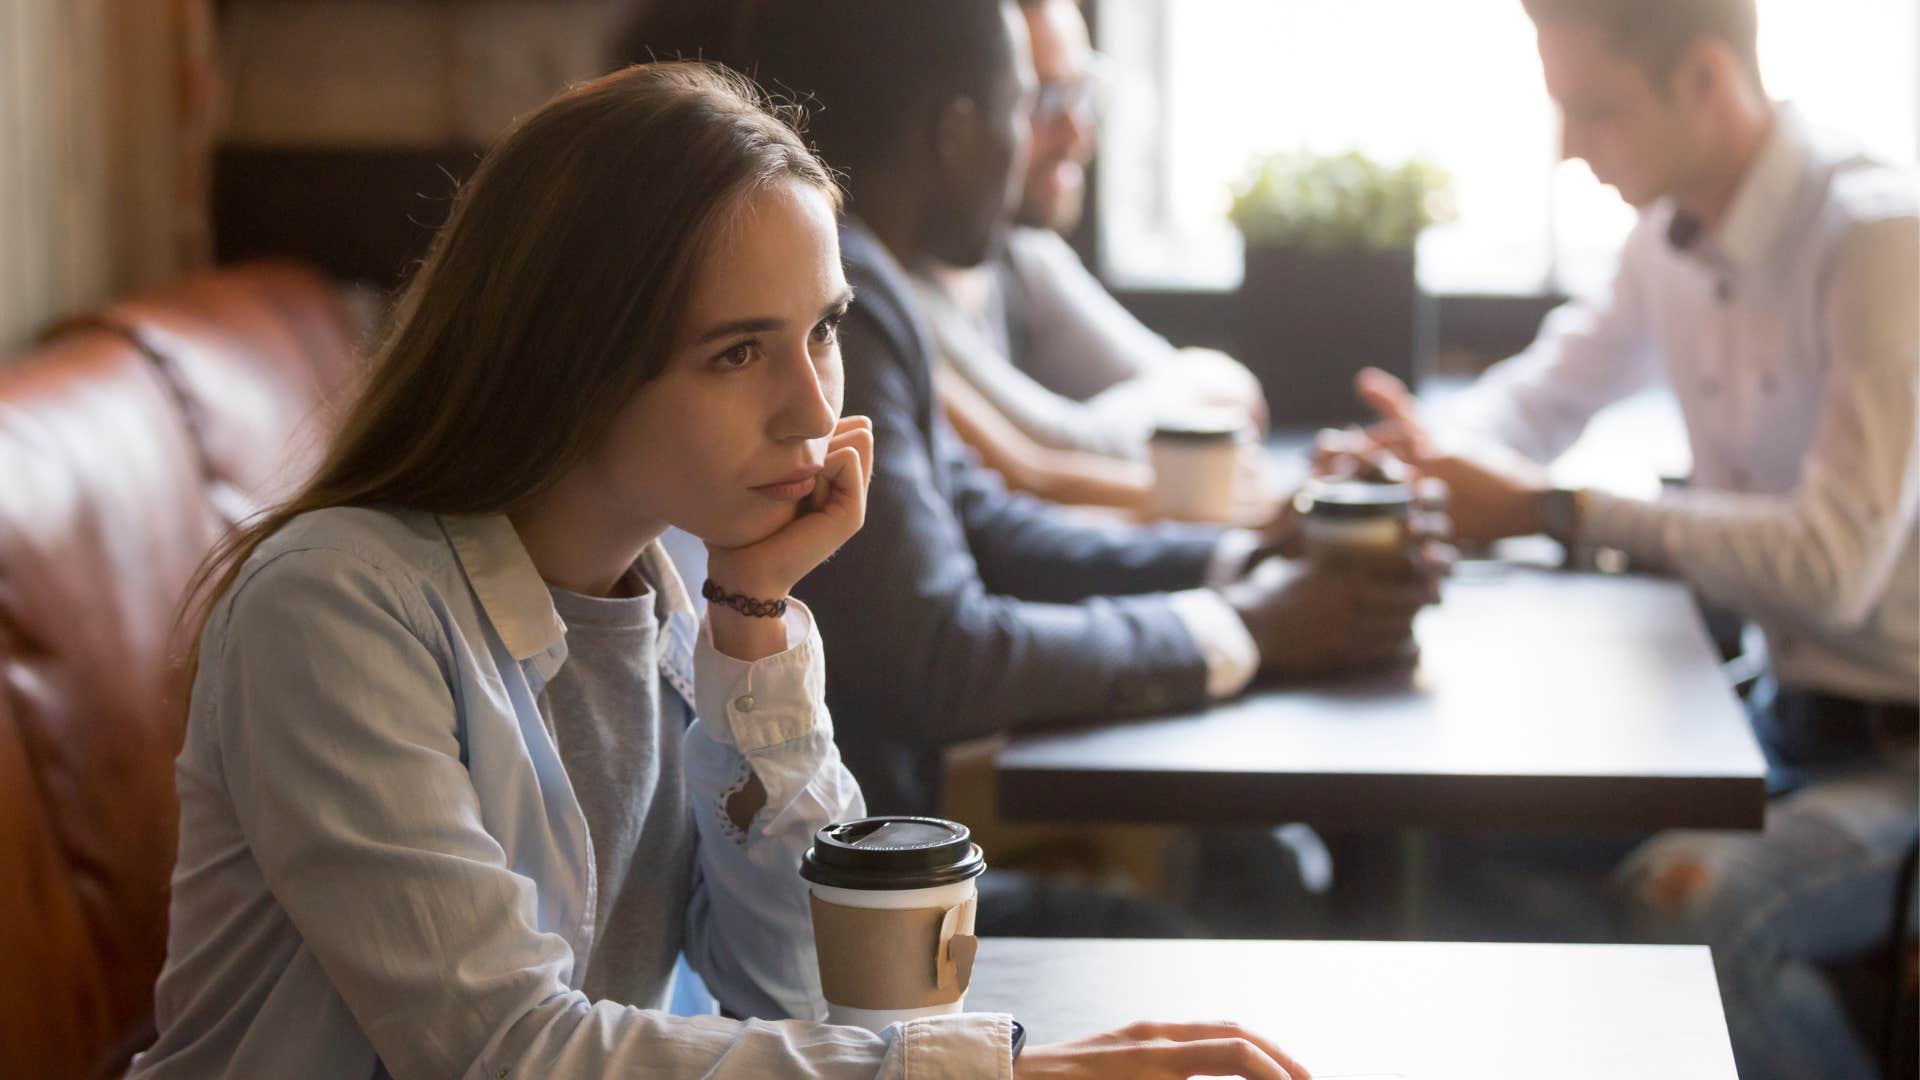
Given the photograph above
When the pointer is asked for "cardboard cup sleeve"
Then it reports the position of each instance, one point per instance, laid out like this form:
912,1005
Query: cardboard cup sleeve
901,958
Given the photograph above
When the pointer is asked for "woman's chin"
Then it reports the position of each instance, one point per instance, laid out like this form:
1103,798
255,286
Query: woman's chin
747,530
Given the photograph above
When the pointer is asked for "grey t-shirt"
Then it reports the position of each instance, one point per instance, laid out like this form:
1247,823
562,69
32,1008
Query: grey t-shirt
620,736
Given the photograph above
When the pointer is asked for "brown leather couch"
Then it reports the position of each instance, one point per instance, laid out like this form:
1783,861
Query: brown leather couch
130,439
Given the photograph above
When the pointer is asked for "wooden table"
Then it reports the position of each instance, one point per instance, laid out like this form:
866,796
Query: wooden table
1417,1010
1542,700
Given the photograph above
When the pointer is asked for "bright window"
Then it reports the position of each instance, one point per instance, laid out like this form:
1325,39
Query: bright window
1203,86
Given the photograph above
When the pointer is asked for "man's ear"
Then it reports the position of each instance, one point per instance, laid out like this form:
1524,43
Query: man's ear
1707,69
955,130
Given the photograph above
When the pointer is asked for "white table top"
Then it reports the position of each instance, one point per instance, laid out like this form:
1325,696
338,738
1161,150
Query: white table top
1422,1011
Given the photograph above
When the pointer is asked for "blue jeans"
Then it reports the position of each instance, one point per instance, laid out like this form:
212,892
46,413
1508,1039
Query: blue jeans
1819,884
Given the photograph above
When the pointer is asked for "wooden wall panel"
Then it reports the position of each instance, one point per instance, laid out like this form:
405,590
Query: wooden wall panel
90,113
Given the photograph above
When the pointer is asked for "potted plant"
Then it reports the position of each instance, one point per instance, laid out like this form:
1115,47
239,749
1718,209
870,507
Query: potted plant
1330,285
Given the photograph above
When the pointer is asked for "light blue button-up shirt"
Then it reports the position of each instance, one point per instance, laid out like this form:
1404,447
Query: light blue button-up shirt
383,869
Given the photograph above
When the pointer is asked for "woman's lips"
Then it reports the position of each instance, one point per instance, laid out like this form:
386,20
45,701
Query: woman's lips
798,486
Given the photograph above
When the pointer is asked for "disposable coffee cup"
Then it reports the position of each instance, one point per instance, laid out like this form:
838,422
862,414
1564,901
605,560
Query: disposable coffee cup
1349,522
893,916
1194,465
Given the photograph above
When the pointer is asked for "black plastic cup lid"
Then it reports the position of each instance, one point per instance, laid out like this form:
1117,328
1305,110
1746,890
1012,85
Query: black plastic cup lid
1354,499
892,853
1222,430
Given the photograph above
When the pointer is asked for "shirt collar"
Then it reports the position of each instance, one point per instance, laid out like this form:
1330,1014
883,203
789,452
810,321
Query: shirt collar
503,576
1764,199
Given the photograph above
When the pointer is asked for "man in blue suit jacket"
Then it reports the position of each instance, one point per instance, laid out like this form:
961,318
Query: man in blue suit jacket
961,610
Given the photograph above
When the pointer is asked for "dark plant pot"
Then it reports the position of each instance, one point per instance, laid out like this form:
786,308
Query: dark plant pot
1307,320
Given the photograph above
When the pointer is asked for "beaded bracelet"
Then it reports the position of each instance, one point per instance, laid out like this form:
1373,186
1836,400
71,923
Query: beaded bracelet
744,604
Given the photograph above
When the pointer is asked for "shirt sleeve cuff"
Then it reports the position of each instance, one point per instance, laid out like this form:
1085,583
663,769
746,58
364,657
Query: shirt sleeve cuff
775,699
1232,657
957,1047
1230,557
1635,526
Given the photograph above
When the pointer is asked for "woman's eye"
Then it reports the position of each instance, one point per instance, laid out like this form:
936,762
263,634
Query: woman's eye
735,358
827,330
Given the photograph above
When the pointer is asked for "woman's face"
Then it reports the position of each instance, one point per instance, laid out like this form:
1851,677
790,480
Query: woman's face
725,442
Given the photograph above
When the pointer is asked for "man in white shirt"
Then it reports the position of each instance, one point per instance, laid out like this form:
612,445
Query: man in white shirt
1772,282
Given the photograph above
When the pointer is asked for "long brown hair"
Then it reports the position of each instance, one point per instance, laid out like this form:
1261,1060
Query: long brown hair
553,292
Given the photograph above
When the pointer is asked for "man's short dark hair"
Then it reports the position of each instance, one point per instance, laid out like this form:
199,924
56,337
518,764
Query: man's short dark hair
1655,33
861,69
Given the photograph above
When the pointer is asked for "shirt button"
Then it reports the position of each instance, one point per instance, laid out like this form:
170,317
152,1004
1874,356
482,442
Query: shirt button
744,703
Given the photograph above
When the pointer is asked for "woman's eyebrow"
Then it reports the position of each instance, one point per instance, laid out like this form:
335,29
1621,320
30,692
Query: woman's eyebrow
759,325
766,323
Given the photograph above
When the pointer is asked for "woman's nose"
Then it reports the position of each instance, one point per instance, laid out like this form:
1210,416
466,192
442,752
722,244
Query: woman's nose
810,405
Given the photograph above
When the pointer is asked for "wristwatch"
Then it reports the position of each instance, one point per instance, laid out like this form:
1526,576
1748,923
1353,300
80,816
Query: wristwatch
1019,1039
1561,511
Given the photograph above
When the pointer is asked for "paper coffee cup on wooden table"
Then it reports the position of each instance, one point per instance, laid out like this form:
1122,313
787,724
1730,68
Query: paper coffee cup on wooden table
893,902
1195,463
1355,521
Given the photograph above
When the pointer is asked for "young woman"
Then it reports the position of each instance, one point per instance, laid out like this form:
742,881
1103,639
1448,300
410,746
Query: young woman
463,773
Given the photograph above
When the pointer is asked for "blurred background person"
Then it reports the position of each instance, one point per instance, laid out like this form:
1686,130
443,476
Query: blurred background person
1010,613
1042,372
1774,281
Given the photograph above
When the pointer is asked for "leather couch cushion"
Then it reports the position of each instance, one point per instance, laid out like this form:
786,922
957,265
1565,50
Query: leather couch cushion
103,519
260,357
